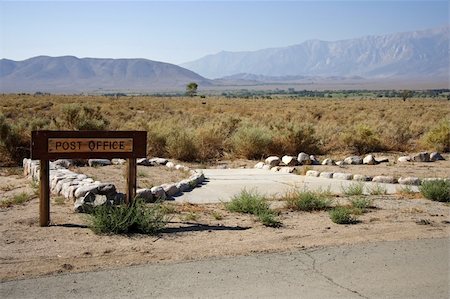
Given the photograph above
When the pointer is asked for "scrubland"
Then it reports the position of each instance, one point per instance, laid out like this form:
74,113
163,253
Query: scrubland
214,128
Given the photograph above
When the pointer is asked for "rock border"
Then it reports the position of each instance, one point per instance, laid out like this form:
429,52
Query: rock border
87,193
287,164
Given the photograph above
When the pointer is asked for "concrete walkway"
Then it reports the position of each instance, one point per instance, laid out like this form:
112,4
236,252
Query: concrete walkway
223,184
399,269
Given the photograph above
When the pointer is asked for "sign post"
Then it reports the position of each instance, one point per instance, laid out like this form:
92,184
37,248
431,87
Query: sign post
51,145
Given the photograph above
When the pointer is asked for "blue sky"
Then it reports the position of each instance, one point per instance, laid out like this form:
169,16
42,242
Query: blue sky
180,31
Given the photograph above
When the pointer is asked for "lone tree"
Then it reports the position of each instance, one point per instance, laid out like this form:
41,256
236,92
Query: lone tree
191,89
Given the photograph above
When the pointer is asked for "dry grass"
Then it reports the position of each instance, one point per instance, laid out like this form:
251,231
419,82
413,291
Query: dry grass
186,129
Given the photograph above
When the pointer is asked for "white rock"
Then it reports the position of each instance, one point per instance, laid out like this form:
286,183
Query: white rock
170,165
353,160
314,160
82,190
435,156
158,192
327,175
275,168
313,173
272,161
328,161
183,186
98,162
259,165
409,181
170,189
118,161
145,194
289,160
404,159
342,176
384,179
369,160
303,159
287,169
160,161
266,167
143,162
421,157
340,163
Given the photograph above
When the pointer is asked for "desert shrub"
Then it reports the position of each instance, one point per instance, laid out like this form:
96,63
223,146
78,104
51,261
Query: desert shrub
438,137
342,215
361,203
361,140
307,201
79,117
251,142
181,145
121,219
13,140
294,139
398,136
250,202
210,142
356,188
377,189
437,190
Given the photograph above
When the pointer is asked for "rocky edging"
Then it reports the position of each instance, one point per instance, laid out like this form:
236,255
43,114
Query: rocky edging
88,193
288,164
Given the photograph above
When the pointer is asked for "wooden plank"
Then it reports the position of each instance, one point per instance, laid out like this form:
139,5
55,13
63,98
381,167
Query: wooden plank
44,193
131,180
88,145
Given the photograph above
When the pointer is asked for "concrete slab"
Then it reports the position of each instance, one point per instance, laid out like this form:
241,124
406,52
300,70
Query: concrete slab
222,184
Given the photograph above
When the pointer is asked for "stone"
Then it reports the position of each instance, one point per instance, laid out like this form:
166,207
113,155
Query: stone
81,177
275,169
119,198
181,167
66,163
146,195
353,160
259,165
313,173
361,178
98,162
170,189
369,160
170,165
89,201
340,163
342,176
409,181
82,190
59,185
404,159
384,179
272,161
266,167
382,160
118,161
159,161
328,161
326,175
88,180
143,162
314,160
183,186
435,156
303,159
158,192
106,189
421,157
287,169
289,160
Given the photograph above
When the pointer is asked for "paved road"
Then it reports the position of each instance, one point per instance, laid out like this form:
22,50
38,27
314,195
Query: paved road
222,184
400,269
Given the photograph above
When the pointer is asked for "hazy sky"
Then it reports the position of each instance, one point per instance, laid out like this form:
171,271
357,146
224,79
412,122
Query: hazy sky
180,31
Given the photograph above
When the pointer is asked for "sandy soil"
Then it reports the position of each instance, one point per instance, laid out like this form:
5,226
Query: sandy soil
196,232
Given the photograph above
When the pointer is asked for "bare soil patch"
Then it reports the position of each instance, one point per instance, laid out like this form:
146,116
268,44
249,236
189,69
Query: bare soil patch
196,231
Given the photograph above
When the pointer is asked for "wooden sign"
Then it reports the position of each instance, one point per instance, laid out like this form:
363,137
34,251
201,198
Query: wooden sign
50,145
88,144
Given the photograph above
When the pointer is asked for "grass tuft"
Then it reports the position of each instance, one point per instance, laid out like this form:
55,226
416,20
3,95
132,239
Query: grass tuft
250,202
437,190
18,199
307,201
342,215
356,188
121,219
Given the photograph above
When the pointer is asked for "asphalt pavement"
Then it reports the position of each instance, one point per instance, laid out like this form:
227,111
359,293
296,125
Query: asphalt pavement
396,269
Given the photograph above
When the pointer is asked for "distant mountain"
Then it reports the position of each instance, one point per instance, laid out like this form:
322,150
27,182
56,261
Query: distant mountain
419,54
70,74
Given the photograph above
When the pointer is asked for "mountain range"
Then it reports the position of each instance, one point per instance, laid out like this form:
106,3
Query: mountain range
71,74
415,57
418,54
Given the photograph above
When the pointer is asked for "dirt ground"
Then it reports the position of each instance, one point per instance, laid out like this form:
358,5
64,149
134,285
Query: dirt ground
200,231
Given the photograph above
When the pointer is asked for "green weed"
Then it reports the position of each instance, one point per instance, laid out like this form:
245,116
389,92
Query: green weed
437,190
